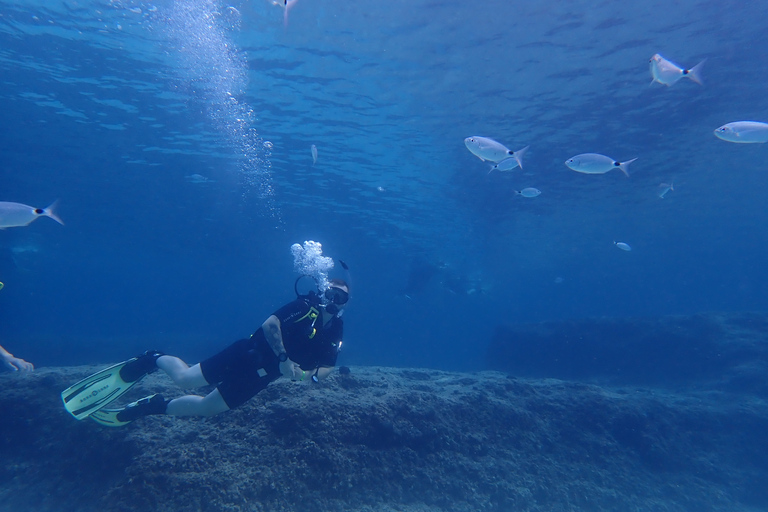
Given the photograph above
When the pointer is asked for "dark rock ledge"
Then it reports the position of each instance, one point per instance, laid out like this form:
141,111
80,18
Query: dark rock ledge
387,439
714,351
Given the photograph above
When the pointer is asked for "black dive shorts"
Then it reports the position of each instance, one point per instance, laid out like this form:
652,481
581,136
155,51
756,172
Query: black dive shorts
241,370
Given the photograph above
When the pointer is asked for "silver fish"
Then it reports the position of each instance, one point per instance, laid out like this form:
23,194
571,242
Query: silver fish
286,5
313,150
516,160
16,214
664,188
198,178
528,192
668,73
743,132
488,150
622,246
594,163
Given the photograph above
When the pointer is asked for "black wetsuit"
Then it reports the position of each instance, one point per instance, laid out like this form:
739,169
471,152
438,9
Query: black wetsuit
248,366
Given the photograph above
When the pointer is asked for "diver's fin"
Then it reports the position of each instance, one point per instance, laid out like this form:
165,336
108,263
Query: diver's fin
100,389
108,418
152,404
94,392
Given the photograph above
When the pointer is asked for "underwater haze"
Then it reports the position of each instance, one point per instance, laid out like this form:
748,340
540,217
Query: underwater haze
177,138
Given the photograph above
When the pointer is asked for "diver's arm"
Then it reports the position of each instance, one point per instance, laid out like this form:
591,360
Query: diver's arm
274,336
14,363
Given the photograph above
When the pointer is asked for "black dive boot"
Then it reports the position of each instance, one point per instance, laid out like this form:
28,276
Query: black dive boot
147,406
143,365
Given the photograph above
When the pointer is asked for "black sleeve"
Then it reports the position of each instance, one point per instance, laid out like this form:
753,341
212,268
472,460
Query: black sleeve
334,336
291,311
329,358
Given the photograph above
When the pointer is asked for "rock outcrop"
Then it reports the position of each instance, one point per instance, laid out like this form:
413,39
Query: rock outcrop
727,351
385,439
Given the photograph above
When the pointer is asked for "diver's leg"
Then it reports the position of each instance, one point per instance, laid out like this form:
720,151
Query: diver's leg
189,405
193,405
182,374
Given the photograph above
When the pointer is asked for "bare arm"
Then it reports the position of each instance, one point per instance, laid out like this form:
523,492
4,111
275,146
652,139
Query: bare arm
274,336
14,363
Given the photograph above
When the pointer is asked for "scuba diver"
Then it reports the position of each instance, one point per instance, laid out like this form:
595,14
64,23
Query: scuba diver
301,341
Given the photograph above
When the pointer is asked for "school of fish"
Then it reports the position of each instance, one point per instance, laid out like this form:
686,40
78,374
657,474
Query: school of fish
488,150
663,71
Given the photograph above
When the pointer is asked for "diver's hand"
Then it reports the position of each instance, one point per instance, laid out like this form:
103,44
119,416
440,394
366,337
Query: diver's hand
16,363
290,369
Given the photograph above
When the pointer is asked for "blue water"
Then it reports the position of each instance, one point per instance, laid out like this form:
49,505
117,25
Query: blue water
110,106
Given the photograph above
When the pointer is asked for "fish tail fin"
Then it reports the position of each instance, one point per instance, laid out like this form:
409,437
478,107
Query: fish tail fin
624,166
519,155
51,212
695,72
287,7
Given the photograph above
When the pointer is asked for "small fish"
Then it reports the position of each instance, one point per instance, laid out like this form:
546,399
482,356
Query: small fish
510,163
344,265
16,214
664,188
593,163
668,73
313,149
743,132
622,246
488,150
198,178
25,249
528,192
286,5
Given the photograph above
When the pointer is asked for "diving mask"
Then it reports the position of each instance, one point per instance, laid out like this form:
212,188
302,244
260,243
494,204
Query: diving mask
336,296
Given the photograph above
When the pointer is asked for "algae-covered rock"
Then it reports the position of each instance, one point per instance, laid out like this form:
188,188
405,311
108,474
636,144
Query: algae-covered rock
385,439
